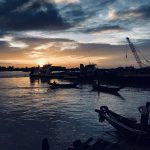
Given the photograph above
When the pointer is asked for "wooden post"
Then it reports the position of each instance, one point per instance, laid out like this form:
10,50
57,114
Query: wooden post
45,144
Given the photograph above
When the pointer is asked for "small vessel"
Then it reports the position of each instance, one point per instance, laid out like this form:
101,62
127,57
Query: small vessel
107,89
127,126
55,85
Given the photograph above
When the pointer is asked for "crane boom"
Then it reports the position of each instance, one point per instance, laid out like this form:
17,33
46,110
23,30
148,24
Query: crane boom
133,49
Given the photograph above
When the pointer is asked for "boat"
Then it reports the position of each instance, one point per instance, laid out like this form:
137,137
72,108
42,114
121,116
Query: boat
107,89
48,71
126,126
55,85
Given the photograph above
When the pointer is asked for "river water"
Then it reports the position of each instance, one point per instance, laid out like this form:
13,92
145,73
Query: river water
31,111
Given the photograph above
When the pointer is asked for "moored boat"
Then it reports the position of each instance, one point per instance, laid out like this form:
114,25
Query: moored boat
107,89
127,126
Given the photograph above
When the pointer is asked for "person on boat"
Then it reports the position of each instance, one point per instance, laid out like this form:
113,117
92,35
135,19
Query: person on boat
54,82
144,110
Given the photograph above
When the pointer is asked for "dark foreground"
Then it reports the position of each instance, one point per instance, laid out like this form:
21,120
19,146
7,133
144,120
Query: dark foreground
79,145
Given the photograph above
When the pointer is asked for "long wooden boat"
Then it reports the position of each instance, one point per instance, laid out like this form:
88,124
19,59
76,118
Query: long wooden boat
127,126
58,85
107,89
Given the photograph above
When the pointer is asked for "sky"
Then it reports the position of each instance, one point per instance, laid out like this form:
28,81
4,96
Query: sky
70,32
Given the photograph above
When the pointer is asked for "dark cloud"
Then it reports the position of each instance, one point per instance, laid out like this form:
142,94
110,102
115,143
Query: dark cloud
73,12
3,44
92,50
20,15
104,50
103,28
5,48
144,42
82,49
143,46
79,12
30,15
7,6
31,42
30,39
142,12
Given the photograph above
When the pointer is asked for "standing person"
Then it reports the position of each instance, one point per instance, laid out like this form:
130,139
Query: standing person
144,110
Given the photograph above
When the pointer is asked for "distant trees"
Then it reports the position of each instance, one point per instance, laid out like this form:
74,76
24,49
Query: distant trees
12,68
27,69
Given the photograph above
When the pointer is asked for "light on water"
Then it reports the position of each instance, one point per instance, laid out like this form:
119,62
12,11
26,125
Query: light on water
30,111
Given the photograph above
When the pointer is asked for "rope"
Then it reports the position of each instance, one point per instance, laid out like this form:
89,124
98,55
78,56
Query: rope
139,51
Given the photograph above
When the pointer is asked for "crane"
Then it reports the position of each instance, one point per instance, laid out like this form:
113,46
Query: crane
134,51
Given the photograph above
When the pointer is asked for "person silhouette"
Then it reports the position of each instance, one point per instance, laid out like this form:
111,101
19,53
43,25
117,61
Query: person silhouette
144,110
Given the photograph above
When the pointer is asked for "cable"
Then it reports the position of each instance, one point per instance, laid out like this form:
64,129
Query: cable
126,55
137,54
144,57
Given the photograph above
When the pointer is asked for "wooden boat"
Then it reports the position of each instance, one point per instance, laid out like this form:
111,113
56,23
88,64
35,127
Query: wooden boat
107,89
127,126
67,85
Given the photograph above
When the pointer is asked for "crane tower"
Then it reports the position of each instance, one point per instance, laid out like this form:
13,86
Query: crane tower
134,51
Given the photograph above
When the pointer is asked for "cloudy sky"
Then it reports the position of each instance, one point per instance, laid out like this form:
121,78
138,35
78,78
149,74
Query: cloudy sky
70,32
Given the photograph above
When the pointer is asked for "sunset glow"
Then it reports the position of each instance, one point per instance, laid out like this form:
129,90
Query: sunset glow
41,62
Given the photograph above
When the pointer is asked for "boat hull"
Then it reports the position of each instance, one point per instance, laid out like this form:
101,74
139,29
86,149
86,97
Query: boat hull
55,86
106,89
125,126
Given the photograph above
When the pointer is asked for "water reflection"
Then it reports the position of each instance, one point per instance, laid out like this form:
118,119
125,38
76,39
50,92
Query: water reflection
113,94
34,81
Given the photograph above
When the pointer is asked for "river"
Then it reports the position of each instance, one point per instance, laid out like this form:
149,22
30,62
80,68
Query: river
31,111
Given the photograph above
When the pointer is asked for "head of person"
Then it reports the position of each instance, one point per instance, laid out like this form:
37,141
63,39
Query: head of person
147,104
